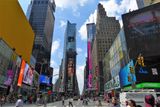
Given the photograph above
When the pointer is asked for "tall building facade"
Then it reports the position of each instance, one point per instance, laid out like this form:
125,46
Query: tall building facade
41,17
69,59
143,3
107,29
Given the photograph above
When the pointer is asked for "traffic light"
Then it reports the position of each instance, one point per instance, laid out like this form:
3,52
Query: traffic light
140,61
131,69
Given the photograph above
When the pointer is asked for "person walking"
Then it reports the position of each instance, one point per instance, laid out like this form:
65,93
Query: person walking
131,103
158,101
2,99
115,102
19,102
149,100
63,101
70,102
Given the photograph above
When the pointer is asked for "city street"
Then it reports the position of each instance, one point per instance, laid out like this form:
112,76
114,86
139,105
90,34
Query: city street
59,104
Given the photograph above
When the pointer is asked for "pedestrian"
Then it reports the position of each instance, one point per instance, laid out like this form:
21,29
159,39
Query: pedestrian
70,102
131,103
19,102
45,102
99,103
115,102
63,101
2,100
149,100
158,102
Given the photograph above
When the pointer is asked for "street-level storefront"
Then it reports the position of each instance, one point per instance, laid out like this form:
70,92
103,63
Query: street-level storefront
111,88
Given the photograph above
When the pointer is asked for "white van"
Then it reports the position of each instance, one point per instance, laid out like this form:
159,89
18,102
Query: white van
136,96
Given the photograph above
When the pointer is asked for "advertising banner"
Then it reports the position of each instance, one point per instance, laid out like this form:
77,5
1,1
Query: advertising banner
126,77
28,75
70,67
112,84
5,55
20,78
44,79
70,71
9,77
149,73
142,31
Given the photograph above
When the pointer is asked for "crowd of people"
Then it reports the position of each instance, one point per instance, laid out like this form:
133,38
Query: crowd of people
149,101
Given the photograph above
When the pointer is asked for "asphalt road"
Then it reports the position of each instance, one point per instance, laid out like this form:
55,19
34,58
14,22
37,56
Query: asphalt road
59,104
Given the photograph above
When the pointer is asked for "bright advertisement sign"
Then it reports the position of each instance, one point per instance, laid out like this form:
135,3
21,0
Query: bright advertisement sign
89,56
9,78
142,31
126,77
70,70
28,75
20,78
89,65
44,79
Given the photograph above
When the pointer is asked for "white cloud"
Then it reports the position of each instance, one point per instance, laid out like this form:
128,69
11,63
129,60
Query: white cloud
112,9
76,14
62,23
55,71
55,46
118,9
82,30
74,4
53,63
79,50
80,77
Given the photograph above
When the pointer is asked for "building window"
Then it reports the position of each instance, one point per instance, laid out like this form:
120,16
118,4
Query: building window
70,39
35,2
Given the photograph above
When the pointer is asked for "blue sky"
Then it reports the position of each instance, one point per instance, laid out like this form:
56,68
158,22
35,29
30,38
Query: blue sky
79,12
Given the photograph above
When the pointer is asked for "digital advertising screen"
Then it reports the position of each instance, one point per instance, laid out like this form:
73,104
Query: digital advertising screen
20,78
70,67
142,31
150,73
25,72
44,79
126,78
28,77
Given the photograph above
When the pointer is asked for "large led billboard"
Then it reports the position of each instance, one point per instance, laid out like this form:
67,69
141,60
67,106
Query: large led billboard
44,79
142,31
70,70
150,73
20,78
28,75
126,77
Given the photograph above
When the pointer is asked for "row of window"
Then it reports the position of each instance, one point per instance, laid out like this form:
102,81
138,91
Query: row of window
40,2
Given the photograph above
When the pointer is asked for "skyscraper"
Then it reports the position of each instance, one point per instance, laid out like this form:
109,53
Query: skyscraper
107,29
69,59
41,17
